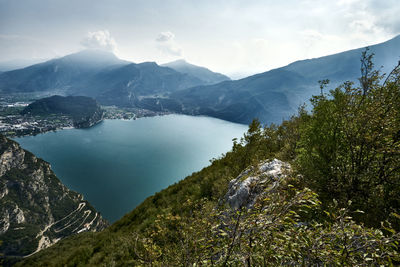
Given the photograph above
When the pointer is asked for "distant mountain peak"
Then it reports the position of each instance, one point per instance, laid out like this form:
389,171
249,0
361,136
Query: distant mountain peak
92,56
202,73
177,62
148,63
91,51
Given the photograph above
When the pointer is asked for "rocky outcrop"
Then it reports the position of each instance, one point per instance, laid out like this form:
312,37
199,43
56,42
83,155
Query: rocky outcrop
36,209
86,122
255,182
11,157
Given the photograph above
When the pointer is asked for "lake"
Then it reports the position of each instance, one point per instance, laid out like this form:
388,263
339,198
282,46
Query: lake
117,164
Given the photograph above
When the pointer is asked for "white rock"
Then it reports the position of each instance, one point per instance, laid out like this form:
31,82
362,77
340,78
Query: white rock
266,177
3,191
4,222
18,215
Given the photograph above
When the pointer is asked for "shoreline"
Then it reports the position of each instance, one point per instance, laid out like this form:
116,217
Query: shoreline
60,128
110,113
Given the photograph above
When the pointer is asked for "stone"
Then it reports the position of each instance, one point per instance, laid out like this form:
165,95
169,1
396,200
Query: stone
244,190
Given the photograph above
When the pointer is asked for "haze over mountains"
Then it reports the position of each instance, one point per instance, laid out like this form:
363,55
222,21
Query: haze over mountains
184,88
101,75
201,73
277,94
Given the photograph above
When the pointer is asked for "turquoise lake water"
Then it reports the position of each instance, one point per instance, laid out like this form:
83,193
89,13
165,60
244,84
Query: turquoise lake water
117,164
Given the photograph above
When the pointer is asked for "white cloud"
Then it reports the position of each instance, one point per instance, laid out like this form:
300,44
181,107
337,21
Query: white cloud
225,36
165,37
166,43
100,40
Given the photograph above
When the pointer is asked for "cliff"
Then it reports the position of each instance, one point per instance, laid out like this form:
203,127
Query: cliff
36,209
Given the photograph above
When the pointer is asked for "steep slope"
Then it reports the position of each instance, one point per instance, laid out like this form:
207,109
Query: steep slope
84,111
36,209
263,96
128,84
259,207
204,74
57,76
276,94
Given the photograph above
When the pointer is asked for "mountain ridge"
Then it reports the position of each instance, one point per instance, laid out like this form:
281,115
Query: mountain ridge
202,73
270,96
284,89
97,74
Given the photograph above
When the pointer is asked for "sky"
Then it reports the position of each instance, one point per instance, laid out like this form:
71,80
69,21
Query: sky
236,37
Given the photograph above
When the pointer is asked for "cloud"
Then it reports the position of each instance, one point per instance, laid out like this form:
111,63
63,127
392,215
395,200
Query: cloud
386,13
167,44
369,19
100,40
165,37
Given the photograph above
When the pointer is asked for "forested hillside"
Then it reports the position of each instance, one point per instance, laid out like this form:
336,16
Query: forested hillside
83,110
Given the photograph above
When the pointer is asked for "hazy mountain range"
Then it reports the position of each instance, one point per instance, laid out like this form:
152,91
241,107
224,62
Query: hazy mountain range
103,76
204,74
276,94
184,88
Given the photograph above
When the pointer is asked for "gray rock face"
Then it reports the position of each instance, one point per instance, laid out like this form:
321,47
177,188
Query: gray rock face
11,158
36,209
254,182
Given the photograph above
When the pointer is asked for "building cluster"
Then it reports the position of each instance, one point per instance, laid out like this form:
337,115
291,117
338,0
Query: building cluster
13,123
19,125
113,113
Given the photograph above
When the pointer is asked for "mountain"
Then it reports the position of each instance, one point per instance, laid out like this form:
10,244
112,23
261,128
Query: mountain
127,85
100,75
36,209
84,111
57,75
204,74
277,94
270,96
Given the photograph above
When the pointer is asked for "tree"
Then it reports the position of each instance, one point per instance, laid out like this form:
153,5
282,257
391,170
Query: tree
350,148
